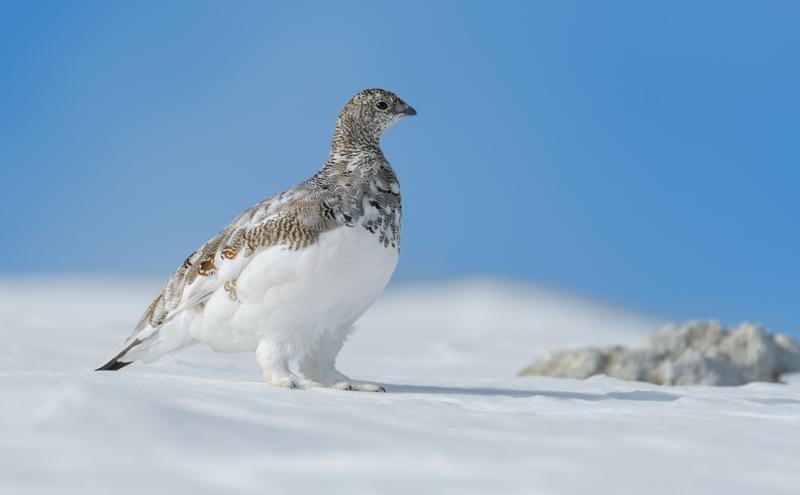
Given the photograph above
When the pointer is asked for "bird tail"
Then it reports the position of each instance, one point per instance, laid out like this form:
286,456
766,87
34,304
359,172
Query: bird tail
123,357
117,363
148,344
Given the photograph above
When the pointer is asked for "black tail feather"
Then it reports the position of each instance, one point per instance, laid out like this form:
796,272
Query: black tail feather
115,364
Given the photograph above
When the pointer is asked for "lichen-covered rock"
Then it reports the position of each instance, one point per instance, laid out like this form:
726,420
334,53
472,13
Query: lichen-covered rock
789,355
565,364
696,353
633,364
693,367
754,351
698,335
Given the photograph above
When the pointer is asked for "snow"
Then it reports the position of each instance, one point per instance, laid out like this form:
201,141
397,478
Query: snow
455,418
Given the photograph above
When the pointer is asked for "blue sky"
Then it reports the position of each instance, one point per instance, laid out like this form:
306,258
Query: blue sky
645,153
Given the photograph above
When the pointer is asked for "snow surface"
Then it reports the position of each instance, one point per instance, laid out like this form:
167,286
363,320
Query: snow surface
455,418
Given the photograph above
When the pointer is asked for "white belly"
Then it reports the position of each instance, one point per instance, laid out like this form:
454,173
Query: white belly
293,297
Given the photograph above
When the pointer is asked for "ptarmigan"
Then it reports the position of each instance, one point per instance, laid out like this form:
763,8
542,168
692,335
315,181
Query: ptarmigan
289,276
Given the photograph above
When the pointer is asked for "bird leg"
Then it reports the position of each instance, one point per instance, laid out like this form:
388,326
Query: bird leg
275,365
319,364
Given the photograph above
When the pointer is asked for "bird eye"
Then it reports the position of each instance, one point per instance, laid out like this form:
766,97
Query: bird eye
382,105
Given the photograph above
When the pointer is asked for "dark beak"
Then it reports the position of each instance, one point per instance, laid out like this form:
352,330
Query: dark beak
407,110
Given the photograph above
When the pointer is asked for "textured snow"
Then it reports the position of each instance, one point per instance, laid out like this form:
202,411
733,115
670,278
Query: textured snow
455,418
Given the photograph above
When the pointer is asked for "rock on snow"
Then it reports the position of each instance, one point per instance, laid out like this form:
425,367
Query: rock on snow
697,353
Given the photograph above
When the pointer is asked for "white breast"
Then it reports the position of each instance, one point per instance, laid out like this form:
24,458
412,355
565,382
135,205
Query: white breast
293,296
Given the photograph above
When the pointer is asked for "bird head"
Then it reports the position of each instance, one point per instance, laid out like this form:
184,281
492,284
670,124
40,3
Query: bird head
368,114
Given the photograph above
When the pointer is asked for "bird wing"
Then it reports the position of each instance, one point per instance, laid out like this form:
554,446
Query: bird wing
290,219
293,218
222,259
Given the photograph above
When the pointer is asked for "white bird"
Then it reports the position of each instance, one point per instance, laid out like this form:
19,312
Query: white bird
289,276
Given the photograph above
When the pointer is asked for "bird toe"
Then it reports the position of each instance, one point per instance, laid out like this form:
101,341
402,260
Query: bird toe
286,382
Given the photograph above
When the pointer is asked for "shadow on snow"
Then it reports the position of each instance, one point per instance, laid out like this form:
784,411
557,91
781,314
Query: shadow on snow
638,395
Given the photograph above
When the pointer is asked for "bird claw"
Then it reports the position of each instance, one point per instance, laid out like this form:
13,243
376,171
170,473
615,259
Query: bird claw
371,387
286,382
358,387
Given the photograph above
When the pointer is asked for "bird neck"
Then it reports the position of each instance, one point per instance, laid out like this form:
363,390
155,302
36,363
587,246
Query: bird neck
352,138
